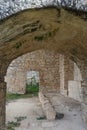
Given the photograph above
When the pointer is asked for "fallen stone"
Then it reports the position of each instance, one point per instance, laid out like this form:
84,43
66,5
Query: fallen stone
49,111
84,112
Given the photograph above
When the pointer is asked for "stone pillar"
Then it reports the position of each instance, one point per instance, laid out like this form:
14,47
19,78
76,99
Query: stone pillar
66,73
84,89
69,71
2,104
3,69
61,71
84,82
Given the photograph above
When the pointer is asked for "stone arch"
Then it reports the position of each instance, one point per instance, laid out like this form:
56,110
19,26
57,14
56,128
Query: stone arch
67,73
32,30
42,61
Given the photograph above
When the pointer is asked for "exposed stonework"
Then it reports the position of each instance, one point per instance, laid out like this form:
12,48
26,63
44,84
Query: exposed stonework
70,78
32,30
47,107
56,71
74,86
45,62
84,111
2,102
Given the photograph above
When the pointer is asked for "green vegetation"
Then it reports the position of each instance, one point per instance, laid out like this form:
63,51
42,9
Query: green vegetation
20,118
39,38
41,118
32,88
18,45
46,35
11,125
10,96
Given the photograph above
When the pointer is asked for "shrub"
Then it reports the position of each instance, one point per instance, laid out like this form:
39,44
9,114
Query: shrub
32,88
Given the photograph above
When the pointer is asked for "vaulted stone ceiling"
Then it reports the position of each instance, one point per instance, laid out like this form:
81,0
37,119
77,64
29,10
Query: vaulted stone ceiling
46,28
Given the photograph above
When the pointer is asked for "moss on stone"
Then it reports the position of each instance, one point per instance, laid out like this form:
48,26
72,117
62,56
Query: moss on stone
46,35
18,45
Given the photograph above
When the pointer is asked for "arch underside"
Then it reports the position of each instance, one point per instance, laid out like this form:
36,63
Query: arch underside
43,29
47,29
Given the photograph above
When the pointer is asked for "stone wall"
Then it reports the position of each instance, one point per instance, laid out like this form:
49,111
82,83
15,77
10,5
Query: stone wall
70,78
66,73
56,73
74,86
2,104
45,62
37,29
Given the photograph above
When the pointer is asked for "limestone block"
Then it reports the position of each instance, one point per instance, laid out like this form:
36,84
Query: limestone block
47,107
84,112
74,89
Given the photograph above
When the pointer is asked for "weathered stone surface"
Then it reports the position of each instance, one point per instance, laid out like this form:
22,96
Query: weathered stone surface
84,111
43,61
49,124
32,30
57,73
47,107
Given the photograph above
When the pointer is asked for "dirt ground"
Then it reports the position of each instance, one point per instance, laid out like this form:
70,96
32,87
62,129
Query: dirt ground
31,109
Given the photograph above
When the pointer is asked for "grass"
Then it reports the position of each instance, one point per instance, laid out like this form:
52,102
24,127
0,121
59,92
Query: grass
20,118
11,125
10,96
41,118
31,90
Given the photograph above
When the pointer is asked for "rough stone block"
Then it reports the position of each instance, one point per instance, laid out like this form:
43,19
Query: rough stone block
47,107
84,112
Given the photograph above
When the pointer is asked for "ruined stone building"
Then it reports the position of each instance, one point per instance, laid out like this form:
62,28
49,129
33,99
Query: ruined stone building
64,75
54,44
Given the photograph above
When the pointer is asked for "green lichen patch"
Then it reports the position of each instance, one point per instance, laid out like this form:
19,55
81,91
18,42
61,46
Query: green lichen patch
39,38
45,35
18,45
20,118
11,125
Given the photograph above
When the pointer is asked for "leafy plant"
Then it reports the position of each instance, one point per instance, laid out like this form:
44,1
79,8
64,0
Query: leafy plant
32,88
11,125
20,118
41,118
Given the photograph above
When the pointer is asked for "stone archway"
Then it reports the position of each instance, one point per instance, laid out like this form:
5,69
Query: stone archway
42,61
32,30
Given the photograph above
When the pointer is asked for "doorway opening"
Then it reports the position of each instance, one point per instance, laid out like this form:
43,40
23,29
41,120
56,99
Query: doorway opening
32,82
22,93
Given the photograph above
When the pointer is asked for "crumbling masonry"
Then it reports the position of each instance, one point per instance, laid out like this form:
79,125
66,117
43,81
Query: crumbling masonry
60,32
57,73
